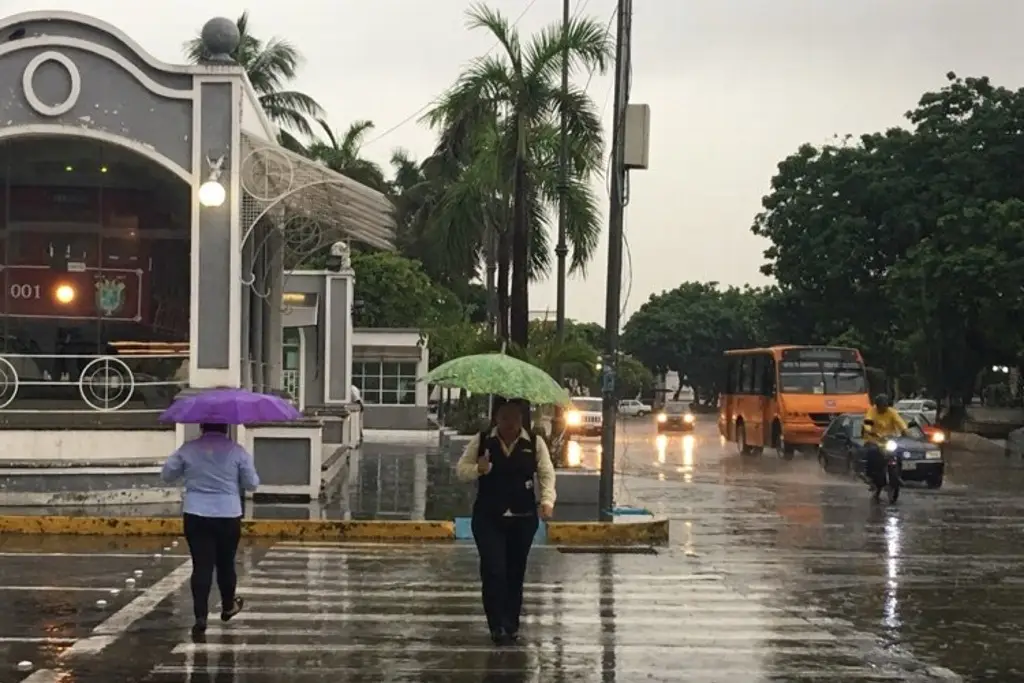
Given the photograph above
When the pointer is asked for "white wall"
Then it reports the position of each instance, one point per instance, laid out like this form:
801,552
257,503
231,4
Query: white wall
85,446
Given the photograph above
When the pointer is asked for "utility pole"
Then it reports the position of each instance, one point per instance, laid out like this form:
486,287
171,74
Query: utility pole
616,206
563,216
561,251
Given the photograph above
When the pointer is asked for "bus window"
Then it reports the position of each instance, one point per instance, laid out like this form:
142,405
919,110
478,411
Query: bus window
757,374
746,380
732,374
769,376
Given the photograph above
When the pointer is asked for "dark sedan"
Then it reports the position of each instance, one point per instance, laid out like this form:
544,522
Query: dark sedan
843,442
675,417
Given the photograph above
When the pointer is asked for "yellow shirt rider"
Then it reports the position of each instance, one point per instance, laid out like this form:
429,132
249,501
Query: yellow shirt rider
882,422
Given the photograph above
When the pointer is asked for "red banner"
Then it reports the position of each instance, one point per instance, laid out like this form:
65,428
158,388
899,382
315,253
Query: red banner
94,293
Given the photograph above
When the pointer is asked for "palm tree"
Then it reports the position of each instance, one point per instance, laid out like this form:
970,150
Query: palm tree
341,154
271,66
500,121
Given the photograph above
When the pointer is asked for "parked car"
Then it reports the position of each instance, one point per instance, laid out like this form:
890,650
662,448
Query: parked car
919,405
676,416
633,408
842,445
586,417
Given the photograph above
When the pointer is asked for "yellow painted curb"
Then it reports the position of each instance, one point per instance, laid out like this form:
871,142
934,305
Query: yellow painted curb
290,529
609,533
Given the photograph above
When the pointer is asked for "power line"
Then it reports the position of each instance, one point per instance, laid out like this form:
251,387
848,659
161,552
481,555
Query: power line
416,114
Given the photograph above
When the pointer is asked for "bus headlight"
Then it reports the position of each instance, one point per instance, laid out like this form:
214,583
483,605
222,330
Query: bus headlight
662,417
891,446
573,418
688,418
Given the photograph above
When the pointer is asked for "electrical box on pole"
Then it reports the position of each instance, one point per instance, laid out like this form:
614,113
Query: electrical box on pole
637,136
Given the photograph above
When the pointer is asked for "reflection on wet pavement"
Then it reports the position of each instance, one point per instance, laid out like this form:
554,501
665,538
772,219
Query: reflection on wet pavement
777,572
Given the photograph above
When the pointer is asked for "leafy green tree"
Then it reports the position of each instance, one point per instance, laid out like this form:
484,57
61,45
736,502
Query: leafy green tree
906,243
393,291
271,66
500,122
689,328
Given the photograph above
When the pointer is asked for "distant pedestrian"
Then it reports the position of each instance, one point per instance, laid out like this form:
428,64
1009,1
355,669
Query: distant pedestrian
504,462
217,471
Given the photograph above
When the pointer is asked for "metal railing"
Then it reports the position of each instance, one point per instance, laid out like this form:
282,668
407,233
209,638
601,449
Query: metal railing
74,383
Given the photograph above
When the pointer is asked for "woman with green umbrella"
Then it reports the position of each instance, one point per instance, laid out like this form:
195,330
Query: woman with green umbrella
504,462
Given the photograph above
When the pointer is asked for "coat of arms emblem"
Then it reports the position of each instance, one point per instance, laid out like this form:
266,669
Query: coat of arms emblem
109,295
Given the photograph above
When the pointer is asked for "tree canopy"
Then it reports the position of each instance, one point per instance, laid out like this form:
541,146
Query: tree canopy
910,243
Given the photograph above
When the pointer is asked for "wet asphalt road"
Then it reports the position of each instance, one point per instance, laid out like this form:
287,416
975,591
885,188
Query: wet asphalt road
777,572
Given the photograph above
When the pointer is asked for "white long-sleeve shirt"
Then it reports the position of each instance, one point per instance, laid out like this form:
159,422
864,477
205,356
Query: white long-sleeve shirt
467,471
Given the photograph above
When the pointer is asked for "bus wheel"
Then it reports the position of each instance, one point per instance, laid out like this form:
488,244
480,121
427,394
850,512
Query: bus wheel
783,450
741,441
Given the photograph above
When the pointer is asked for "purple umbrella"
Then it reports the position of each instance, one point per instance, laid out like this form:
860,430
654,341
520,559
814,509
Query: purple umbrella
230,407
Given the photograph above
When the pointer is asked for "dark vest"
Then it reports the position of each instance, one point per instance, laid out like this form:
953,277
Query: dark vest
509,485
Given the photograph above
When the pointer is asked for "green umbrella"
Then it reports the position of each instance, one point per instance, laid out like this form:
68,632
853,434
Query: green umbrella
496,373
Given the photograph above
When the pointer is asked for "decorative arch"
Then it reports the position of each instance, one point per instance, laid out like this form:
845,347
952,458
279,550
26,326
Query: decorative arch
99,25
57,130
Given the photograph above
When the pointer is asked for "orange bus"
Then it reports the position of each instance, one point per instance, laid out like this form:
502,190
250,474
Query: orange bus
783,397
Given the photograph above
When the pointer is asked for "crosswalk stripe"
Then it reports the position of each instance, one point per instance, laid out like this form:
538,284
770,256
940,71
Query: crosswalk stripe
346,609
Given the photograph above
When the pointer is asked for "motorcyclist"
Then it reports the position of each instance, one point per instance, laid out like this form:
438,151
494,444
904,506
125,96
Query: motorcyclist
881,423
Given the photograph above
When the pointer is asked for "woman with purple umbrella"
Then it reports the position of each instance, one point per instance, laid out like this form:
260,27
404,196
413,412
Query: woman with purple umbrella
217,471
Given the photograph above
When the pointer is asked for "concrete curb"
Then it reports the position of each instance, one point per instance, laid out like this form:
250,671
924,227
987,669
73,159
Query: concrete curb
647,532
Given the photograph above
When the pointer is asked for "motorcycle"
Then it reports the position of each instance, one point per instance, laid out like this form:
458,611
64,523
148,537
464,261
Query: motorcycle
893,472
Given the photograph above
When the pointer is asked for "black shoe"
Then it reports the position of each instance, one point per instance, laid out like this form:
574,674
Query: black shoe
199,628
512,637
499,637
236,606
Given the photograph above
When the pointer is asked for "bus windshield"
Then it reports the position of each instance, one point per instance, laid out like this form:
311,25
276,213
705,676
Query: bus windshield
822,377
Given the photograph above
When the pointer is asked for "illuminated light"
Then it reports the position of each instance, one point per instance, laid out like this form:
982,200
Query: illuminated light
103,169
69,168
64,294
661,443
212,194
573,418
662,417
891,446
938,437
574,454
688,418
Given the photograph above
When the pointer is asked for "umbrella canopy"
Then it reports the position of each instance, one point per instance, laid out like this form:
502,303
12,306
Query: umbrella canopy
496,373
229,407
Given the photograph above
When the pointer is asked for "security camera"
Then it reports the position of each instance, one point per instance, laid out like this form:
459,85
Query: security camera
339,257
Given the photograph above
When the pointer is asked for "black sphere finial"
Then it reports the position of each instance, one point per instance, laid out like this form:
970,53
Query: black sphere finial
220,38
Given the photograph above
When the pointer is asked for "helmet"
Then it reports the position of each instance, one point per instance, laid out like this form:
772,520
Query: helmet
881,401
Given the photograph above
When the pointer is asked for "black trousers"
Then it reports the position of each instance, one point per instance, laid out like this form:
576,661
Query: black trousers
213,543
875,467
504,545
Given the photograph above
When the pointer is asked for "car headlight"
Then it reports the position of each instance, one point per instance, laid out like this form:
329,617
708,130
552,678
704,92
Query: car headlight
891,446
573,418
662,417
688,418
938,437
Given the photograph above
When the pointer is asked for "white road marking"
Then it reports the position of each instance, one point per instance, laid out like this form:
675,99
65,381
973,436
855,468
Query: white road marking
116,624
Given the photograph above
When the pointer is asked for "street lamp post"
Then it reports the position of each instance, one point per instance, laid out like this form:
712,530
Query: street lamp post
616,208
561,250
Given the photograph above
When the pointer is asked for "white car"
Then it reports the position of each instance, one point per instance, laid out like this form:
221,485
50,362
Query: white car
926,407
633,408
586,417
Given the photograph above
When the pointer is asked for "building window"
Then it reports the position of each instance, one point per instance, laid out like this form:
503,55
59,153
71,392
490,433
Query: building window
385,383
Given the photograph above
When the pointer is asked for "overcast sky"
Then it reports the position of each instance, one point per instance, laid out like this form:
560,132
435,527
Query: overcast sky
734,86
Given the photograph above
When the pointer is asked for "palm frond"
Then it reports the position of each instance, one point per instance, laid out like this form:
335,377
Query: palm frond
504,31
585,40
